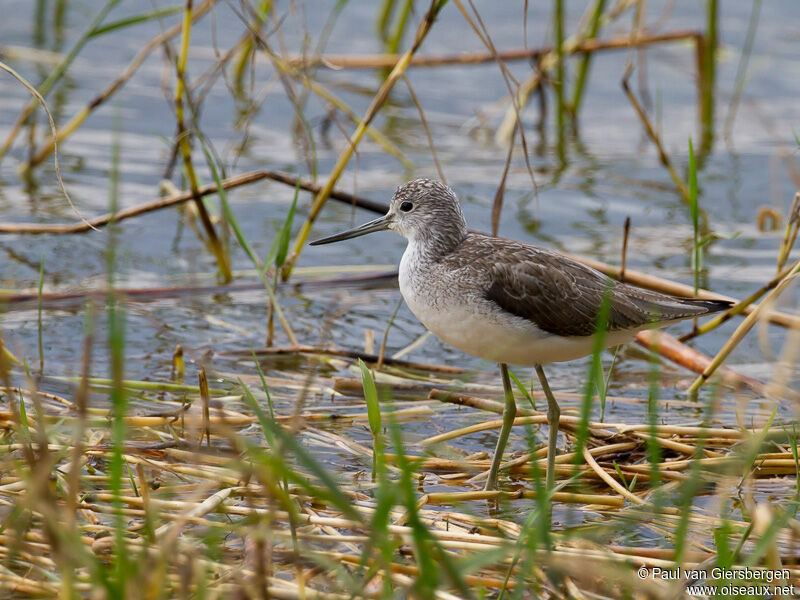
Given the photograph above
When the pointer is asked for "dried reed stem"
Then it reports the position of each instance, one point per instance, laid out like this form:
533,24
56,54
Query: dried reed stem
377,102
382,61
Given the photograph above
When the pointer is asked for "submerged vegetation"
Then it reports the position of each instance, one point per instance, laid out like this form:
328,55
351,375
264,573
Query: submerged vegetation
145,454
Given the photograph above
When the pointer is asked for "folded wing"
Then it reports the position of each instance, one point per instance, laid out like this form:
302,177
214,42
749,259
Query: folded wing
563,297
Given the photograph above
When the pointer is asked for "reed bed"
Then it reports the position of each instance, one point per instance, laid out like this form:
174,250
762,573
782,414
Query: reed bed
215,488
302,468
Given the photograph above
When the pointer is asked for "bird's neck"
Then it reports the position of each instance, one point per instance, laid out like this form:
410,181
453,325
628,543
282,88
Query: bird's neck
434,243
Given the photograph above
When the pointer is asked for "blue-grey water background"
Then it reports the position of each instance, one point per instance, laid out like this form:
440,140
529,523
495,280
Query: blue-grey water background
611,172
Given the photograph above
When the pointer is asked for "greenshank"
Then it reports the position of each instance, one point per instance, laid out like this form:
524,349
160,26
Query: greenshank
510,302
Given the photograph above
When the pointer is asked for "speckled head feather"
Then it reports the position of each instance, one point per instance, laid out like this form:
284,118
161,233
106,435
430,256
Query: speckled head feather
427,212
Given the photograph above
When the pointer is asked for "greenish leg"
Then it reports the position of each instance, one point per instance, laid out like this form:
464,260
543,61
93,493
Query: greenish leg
509,413
553,416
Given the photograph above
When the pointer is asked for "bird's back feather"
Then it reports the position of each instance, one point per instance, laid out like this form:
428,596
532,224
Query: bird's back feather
563,297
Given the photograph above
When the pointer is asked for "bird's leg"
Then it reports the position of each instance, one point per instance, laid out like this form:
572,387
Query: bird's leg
509,414
553,416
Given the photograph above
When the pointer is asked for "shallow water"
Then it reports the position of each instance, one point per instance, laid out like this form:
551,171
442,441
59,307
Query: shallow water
612,171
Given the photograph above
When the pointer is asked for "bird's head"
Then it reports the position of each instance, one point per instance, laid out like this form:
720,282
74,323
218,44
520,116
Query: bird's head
422,210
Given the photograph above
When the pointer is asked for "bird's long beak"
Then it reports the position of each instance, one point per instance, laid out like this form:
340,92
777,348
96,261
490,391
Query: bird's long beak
381,224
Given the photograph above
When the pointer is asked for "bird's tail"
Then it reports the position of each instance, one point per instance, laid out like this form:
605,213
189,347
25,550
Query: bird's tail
707,307
677,308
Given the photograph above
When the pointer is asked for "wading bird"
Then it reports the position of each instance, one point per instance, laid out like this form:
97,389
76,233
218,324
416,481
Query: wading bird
510,302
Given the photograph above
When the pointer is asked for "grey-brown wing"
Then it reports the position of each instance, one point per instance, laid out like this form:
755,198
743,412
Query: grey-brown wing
563,297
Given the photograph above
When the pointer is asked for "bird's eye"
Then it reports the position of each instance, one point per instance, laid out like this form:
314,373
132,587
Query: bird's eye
406,206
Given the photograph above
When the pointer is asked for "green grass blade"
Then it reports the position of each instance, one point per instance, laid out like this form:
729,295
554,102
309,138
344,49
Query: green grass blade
285,235
374,418
23,421
653,448
796,457
39,316
118,396
131,480
264,386
304,457
266,421
523,390
603,383
134,20
371,395
240,237
695,212
56,73
621,475
226,209
431,557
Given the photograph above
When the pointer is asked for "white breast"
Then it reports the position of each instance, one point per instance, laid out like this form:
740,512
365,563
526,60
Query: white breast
474,325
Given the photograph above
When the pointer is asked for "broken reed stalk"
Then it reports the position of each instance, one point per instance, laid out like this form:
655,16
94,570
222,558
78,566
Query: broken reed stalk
379,61
182,197
355,138
205,396
346,386
790,234
626,230
497,203
676,351
76,121
565,422
746,307
178,365
426,128
744,327
604,430
437,498
508,126
613,484
385,339
653,135
185,145
369,358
